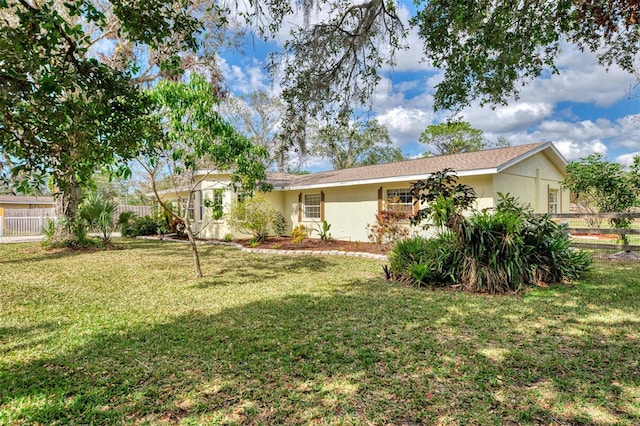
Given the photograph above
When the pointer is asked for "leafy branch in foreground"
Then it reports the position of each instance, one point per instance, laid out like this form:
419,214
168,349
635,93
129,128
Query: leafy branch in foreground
332,63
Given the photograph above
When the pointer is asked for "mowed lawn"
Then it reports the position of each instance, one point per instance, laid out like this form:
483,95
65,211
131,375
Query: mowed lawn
128,336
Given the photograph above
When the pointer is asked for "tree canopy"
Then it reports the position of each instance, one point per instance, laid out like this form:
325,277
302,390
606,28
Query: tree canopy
486,48
605,185
65,113
355,144
452,137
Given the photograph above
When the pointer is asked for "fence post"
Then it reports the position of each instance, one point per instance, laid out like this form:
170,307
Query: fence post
1,222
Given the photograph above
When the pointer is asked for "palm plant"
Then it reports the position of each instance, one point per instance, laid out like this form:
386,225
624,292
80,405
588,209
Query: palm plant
99,213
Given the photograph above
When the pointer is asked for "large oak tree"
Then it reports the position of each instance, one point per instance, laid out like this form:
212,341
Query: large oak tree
68,76
486,48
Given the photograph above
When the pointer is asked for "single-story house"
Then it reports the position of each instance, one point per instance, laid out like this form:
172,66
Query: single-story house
349,199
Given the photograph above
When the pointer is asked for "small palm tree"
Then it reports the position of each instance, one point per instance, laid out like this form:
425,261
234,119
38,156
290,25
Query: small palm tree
98,212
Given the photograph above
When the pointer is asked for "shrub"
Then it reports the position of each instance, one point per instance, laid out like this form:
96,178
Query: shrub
252,216
551,257
177,226
125,218
426,261
76,228
299,234
145,225
390,226
280,224
49,229
494,253
488,252
323,231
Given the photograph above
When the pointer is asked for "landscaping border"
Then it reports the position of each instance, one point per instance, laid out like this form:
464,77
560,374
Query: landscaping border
274,251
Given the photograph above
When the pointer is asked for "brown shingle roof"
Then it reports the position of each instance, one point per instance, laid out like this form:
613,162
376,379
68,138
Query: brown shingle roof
490,159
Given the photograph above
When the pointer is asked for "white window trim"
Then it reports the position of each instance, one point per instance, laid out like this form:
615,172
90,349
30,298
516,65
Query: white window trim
556,204
406,206
318,206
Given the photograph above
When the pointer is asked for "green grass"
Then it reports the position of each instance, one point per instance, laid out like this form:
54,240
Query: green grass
127,336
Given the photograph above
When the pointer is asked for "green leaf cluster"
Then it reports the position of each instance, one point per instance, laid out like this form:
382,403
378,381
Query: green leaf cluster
452,137
494,252
355,144
253,216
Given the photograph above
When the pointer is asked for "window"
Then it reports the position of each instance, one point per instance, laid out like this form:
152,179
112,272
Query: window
215,204
312,206
190,210
399,200
201,205
554,197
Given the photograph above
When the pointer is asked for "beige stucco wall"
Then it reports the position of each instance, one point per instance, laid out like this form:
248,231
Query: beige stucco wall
348,209
205,225
530,181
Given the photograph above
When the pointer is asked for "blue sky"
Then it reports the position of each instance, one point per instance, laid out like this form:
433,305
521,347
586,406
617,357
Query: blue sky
584,109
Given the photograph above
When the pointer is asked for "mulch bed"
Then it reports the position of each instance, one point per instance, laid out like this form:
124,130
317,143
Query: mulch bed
286,243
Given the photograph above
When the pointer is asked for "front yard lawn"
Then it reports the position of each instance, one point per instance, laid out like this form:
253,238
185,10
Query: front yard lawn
127,336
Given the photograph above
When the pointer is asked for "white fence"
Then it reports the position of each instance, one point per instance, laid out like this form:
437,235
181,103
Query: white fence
20,226
19,222
138,210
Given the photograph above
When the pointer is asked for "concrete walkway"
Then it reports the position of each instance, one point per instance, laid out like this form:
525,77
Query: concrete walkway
33,238
22,239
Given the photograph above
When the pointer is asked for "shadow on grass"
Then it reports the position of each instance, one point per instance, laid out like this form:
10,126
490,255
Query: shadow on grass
260,268
368,353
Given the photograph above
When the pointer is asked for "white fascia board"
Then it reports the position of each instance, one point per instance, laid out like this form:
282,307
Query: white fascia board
171,191
557,158
204,172
393,179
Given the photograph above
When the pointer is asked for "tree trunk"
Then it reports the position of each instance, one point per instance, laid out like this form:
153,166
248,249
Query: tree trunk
194,248
67,201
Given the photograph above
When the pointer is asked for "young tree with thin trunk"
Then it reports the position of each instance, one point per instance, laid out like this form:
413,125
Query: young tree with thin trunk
196,140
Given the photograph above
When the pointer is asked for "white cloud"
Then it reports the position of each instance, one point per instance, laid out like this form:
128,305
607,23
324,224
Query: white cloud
244,79
405,125
627,159
572,150
510,118
387,95
581,79
629,134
